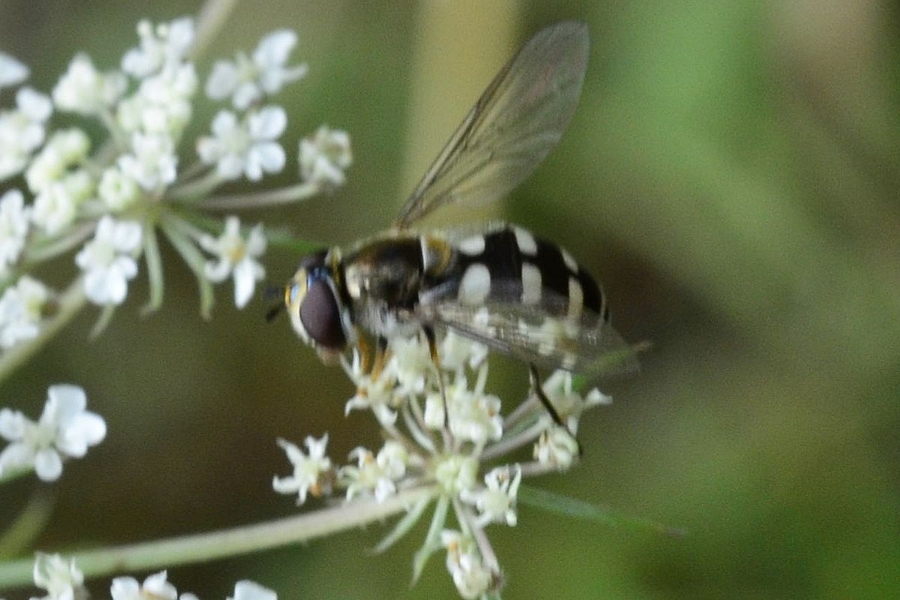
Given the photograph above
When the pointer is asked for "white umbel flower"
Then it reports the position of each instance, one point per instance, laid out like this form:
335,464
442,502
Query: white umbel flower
474,416
12,72
473,579
249,80
496,502
250,590
409,365
14,217
162,103
325,156
56,207
65,430
375,475
163,46
236,257
63,150
85,90
455,472
246,147
556,448
61,578
155,587
108,260
118,190
152,161
569,404
22,130
375,393
311,469
21,309
457,352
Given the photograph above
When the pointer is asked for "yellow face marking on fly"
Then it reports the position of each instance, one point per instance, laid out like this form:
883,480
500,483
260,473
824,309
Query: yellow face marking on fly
294,293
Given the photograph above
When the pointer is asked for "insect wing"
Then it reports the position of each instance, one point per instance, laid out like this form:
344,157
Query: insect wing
585,345
515,123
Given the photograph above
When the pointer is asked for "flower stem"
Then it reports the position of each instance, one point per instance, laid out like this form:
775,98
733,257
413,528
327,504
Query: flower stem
210,20
70,303
287,195
194,190
227,543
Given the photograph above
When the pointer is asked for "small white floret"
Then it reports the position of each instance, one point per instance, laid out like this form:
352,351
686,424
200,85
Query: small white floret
236,257
375,476
161,47
471,576
249,590
152,162
248,80
64,149
12,72
457,352
21,310
59,577
311,469
108,261
14,217
496,502
456,472
22,130
65,430
570,404
154,587
245,147
118,190
56,206
474,416
85,90
556,448
325,156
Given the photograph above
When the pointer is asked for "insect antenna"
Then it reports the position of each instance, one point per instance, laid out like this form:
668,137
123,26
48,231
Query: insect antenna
271,294
274,311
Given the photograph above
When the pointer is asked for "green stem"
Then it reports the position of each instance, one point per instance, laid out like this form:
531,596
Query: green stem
194,190
178,232
209,21
46,249
70,303
227,543
287,195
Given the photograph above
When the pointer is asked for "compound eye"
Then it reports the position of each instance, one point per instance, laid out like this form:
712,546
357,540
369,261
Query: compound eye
321,316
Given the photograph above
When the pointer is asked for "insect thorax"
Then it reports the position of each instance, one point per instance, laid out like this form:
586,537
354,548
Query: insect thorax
383,279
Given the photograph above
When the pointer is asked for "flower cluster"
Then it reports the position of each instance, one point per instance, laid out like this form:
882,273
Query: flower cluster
109,201
445,432
63,580
65,430
105,202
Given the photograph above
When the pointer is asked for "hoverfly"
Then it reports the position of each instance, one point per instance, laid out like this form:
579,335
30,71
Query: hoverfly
503,286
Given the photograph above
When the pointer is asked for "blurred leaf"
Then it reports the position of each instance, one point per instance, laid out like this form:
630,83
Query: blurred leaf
570,507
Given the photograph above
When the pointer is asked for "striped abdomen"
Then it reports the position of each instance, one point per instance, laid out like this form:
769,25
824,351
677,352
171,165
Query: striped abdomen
511,264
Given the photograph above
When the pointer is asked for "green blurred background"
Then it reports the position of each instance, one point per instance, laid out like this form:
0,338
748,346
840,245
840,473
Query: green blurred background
732,176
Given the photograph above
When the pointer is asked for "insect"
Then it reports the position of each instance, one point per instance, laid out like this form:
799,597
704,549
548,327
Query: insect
501,286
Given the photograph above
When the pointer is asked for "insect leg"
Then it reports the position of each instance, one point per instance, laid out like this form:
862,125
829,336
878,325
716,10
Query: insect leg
365,352
539,392
436,359
380,357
